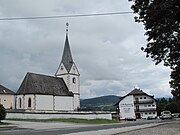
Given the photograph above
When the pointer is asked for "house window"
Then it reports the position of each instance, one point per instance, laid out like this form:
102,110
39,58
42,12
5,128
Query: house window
62,68
144,97
19,102
153,112
149,105
140,97
145,113
29,102
150,113
153,105
74,80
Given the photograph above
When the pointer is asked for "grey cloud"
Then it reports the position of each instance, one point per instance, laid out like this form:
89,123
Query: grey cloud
106,49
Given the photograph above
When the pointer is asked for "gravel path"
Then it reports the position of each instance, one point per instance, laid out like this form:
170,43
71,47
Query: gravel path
166,129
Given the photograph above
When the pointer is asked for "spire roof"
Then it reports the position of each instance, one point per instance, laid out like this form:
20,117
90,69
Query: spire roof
67,59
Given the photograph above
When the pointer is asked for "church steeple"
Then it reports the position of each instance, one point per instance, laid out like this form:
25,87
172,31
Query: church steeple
67,59
69,72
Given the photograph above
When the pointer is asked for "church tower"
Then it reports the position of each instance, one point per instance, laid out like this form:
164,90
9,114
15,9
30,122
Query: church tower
69,72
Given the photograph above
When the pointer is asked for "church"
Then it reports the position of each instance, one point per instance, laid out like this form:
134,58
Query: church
60,92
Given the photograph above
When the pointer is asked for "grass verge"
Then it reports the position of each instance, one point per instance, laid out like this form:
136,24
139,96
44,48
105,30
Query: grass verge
4,123
71,120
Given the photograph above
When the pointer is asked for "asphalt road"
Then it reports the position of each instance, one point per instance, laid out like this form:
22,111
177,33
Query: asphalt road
172,128
15,130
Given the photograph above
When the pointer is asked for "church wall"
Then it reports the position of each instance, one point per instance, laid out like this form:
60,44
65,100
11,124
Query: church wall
44,102
63,103
19,101
76,101
74,87
31,105
24,102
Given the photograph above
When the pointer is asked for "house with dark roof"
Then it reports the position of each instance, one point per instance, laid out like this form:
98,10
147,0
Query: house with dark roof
6,97
61,92
137,105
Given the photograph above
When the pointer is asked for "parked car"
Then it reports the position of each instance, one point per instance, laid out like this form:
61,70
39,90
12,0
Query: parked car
130,119
176,115
166,115
151,118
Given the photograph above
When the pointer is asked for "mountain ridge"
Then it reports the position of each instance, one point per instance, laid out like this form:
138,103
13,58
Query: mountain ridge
102,103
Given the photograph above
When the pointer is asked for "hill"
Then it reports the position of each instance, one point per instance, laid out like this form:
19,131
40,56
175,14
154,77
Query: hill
103,103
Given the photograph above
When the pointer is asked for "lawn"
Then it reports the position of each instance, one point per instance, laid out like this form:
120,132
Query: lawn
4,123
71,120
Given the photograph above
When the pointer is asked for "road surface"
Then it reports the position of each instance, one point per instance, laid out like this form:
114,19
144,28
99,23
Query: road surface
58,128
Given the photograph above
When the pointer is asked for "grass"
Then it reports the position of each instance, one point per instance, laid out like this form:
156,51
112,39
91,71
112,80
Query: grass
4,123
71,120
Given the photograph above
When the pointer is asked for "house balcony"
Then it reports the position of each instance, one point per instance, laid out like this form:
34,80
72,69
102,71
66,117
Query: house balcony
145,110
144,102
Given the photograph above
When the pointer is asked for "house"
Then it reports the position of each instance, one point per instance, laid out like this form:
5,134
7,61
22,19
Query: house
6,97
52,93
137,105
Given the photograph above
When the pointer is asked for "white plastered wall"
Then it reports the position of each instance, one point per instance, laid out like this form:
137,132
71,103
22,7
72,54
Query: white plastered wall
44,102
63,103
126,107
26,98
18,106
8,101
76,101
147,106
24,101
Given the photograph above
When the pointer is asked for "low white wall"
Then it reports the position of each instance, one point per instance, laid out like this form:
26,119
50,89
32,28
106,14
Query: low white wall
79,115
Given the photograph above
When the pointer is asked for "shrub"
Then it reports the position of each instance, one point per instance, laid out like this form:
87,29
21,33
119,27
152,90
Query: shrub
2,112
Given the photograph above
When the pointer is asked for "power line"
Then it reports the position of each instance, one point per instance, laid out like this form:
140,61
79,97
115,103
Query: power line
65,16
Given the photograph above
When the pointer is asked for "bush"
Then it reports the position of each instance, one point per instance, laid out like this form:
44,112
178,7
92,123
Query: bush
2,112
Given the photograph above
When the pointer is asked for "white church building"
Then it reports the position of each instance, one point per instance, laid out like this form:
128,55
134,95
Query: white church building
61,92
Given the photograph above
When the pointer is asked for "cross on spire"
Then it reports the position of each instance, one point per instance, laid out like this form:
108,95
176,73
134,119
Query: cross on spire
67,26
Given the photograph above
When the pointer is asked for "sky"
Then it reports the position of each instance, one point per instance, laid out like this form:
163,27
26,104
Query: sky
106,49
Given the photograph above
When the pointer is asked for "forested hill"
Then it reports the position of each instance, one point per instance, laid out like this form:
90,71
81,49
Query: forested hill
100,103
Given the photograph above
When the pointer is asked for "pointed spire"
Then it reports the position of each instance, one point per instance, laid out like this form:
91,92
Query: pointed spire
67,56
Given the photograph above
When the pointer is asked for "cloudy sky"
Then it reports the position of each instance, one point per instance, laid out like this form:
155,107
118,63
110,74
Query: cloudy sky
106,49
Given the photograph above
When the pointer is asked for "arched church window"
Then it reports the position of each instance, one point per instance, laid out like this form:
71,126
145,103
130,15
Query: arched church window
19,102
74,80
29,102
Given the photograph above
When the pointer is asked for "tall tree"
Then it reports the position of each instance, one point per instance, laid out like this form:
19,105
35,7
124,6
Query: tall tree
161,19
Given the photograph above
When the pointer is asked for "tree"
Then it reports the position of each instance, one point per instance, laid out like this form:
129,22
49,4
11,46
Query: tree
2,112
172,107
161,105
161,19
